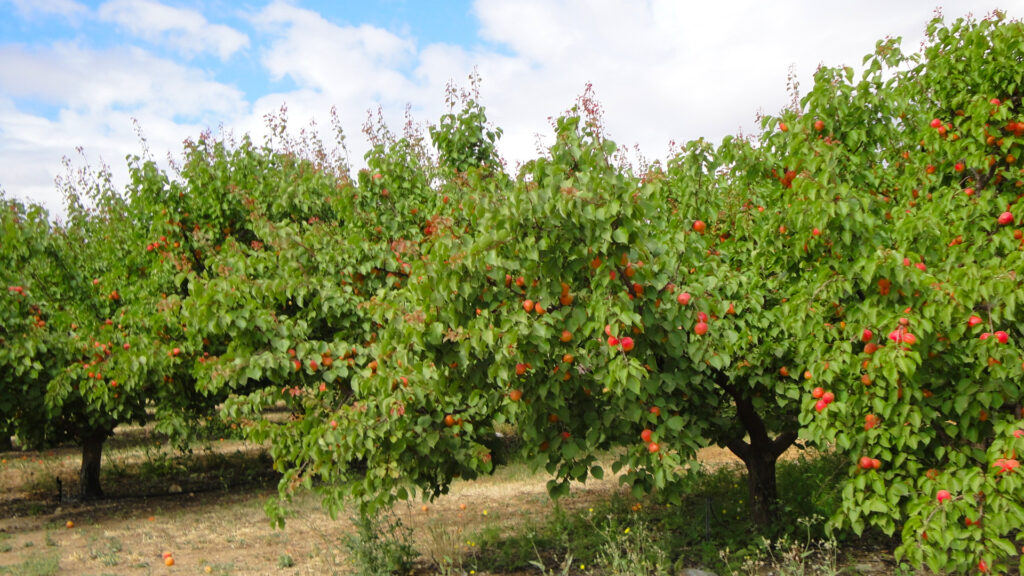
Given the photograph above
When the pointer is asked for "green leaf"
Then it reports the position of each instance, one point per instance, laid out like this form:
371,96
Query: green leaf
675,423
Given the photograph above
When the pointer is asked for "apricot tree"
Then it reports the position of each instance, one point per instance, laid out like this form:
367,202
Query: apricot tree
912,174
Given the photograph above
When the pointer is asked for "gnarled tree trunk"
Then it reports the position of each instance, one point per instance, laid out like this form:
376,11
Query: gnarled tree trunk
759,455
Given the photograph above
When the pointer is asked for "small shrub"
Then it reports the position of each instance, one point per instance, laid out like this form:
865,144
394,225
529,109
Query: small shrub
446,548
381,546
631,549
786,556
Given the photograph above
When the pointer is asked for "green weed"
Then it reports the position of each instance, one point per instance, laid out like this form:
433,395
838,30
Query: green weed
35,566
381,546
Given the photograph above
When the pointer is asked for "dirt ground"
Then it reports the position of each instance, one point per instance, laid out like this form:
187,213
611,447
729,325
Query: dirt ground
211,530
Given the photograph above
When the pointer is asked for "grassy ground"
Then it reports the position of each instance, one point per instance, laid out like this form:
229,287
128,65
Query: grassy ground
206,510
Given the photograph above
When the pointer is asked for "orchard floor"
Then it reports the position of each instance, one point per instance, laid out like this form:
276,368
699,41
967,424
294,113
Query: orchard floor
220,530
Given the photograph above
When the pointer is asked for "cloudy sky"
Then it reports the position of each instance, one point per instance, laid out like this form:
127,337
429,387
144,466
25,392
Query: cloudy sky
78,73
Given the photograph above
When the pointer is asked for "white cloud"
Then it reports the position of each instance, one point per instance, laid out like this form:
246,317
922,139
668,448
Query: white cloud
98,93
99,81
665,69
186,31
32,8
347,62
351,68
662,69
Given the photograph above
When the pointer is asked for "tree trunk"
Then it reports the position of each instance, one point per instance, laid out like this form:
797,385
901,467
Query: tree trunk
5,442
89,475
762,488
760,458
759,455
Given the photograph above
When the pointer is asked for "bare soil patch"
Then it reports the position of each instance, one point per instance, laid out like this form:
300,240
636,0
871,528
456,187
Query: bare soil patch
219,526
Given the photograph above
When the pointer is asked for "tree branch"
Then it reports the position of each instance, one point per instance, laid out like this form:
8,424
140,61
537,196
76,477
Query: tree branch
783,442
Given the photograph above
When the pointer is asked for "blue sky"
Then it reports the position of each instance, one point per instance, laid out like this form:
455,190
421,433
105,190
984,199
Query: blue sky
83,73
425,22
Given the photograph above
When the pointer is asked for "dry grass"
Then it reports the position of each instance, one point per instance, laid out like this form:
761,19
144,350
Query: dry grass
223,527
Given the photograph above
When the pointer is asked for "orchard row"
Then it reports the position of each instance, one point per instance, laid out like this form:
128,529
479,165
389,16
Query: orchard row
850,278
